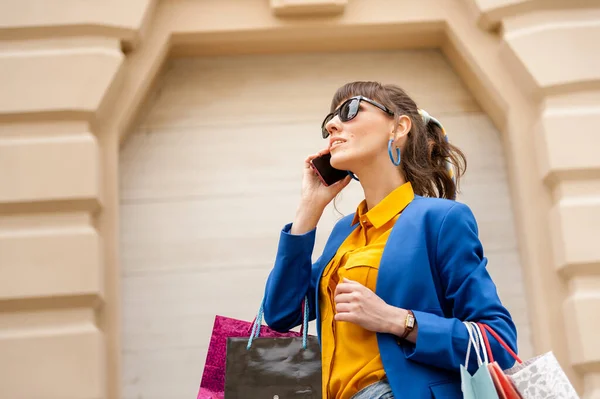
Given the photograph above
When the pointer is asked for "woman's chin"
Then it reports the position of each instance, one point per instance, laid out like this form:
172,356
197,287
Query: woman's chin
340,161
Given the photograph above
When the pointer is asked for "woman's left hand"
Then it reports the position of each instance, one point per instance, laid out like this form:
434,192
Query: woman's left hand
357,304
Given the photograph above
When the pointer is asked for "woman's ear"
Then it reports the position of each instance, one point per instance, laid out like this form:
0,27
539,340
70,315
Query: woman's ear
404,126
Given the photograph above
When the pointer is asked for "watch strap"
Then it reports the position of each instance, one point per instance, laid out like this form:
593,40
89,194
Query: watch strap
409,324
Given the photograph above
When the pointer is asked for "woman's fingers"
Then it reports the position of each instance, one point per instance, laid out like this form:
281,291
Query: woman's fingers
316,155
343,307
343,298
342,183
345,316
348,287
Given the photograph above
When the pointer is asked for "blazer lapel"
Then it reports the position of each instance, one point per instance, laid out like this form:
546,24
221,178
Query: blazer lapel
394,253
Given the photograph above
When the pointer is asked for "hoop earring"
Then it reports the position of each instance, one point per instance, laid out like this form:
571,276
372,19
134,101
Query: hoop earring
352,175
394,161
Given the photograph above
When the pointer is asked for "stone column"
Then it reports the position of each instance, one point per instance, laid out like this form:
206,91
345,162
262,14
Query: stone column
551,47
60,62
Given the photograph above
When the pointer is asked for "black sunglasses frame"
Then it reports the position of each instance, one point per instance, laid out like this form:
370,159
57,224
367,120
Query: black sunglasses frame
347,118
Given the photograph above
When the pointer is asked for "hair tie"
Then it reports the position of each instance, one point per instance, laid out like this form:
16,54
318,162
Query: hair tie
425,115
426,120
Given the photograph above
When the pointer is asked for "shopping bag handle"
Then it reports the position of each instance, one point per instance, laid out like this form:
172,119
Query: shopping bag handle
476,342
257,323
485,328
254,321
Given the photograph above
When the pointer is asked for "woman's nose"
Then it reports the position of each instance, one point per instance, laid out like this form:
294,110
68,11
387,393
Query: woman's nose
334,125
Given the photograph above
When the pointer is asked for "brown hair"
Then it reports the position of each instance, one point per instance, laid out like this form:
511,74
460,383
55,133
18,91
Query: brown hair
426,152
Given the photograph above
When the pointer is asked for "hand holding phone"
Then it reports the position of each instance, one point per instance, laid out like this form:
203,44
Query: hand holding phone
319,188
327,173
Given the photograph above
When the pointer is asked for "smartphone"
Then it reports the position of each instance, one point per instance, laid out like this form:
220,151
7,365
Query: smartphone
327,173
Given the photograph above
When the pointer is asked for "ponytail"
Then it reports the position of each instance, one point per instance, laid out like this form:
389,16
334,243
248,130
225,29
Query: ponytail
447,161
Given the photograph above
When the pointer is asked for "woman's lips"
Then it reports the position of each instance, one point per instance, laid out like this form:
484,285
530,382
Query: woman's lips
336,143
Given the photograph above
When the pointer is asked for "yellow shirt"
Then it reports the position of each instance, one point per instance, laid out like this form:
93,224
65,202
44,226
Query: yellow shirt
350,355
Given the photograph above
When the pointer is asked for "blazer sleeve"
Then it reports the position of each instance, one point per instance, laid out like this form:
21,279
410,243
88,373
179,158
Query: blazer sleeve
471,294
290,281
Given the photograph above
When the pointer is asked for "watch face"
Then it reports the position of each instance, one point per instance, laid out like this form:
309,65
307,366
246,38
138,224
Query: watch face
410,323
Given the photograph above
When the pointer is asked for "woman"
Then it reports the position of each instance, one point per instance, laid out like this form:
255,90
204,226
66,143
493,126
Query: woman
397,278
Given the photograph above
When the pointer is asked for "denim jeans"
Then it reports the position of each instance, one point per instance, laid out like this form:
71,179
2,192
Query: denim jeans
378,390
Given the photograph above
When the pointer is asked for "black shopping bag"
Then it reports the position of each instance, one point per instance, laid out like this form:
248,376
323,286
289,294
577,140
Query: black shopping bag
273,368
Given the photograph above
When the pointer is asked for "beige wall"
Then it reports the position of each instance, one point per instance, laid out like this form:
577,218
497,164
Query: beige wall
74,75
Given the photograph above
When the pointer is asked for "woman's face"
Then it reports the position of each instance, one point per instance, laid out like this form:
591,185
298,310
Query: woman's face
361,140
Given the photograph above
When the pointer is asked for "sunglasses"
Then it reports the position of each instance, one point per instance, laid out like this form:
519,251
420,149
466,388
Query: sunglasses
348,111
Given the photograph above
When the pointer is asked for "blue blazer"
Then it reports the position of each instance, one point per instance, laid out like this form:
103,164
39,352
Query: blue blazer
432,264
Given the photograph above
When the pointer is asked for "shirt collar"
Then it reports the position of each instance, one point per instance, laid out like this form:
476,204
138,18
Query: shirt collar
387,209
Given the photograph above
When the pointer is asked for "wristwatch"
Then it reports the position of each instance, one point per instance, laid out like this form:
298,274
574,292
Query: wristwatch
409,324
